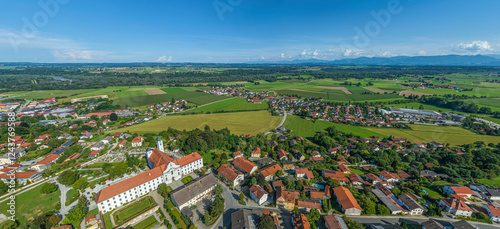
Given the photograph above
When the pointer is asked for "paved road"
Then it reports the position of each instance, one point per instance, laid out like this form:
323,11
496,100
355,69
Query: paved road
281,123
415,220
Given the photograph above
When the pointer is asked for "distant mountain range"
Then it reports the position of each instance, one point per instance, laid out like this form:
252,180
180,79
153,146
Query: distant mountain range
446,60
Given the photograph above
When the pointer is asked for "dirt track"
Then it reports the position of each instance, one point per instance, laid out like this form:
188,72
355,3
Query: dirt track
336,88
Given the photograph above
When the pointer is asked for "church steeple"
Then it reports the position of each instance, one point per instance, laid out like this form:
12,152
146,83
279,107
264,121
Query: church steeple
159,144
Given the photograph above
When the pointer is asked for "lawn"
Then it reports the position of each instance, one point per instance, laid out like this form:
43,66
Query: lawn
71,196
147,223
433,194
490,183
28,207
175,214
238,123
442,134
133,209
307,128
233,104
187,180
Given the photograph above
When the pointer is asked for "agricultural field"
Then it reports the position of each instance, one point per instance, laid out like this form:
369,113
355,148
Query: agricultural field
238,123
198,98
28,208
231,104
342,94
442,134
307,128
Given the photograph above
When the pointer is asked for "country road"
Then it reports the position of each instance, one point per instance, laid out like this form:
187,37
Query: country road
281,124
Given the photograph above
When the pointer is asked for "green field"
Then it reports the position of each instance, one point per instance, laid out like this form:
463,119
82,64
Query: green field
133,209
71,196
491,183
358,93
238,123
442,134
232,104
147,223
27,207
198,98
307,129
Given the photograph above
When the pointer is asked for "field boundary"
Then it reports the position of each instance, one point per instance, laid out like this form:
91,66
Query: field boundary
345,90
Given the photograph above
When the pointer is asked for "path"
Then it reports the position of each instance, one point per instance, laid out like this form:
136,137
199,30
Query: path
281,123
160,201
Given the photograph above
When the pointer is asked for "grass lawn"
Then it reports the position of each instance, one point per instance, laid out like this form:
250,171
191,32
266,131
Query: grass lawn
238,123
187,180
133,209
32,204
234,104
433,194
72,196
491,183
147,223
357,171
175,214
306,128
442,134
94,211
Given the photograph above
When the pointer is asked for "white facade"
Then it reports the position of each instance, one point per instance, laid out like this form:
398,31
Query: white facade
191,167
257,200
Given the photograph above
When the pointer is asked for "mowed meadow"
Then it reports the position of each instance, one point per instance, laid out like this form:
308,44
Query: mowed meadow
252,122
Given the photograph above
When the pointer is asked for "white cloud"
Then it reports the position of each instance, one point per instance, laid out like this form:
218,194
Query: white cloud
164,59
475,46
282,55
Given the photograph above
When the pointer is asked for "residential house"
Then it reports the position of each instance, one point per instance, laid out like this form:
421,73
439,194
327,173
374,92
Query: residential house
286,199
238,154
343,168
411,205
287,164
493,213
245,165
282,155
256,153
336,175
137,141
269,171
388,176
372,178
93,154
300,221
459,190
456,207
347,201
45,163
231,174
334,222
304,173
307,205
258,194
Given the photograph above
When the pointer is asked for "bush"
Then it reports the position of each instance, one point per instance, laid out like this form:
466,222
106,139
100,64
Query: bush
48,188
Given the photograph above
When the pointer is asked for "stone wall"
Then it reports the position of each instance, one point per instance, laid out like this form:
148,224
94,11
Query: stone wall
139,217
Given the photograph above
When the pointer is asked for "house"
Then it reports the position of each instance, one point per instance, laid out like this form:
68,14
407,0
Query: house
343,168
137,141
316,195
256,153
286,199
245,165
97,146
107,139
237,154
411,205
436,144
388,201
258,194
45,163
122,144
347,201
304,173
42,138
300,221
459,190
355,179
455,207
265,161
299,156
282,155
432,224
372,178
307,205
287,164
315,154
419,145
333,150
493,194
189,194
269,171
403,175
334,222
493,213
21,177
336,175
93,154
231,174
74,156
462,224
388,176
245,218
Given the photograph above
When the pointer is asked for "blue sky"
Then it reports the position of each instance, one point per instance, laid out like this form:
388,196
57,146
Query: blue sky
243,30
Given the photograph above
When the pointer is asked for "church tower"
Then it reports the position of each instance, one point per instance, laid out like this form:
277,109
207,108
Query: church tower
159,144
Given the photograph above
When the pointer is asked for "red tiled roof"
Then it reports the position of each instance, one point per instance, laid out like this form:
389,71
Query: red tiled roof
95,152
257,190
389,175
346,198
48,159
336,175
20,175
301,222
457,204
494,211
244,164
462,190
129,183
305,171
344,168
137,139
317,195
188,159
310,204
228,172
403,174
270,170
